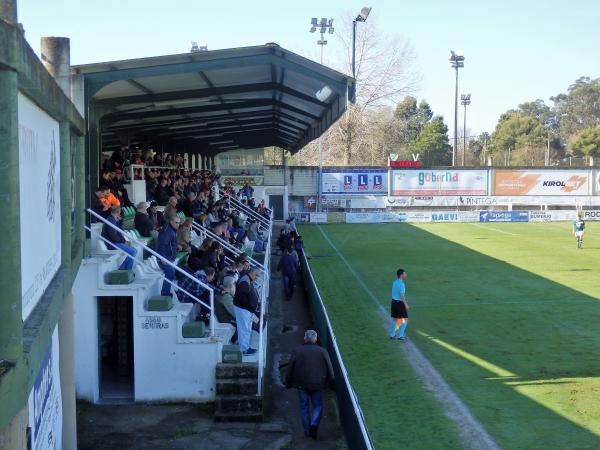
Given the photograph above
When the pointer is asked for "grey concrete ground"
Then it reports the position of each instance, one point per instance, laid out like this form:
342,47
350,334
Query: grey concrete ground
141,426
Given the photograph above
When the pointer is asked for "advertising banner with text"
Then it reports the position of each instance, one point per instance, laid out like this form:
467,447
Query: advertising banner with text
45,401
504,216
490,200
438,182
541,182
39,190
375,217
355,181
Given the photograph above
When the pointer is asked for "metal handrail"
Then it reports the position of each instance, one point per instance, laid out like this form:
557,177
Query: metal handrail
245,208
165,261
263,304
223,242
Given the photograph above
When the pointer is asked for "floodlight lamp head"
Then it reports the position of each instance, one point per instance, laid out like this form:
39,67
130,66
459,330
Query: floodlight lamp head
313,29
323,21
364,13
324,93
331,30
330,23
314,21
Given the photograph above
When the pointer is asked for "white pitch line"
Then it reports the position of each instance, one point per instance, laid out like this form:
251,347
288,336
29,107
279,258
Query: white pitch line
492,228
473,434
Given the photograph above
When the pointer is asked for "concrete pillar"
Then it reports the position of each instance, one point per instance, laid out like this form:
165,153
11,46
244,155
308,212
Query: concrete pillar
13,436
56,57
8,11
212,162
66,336
11,331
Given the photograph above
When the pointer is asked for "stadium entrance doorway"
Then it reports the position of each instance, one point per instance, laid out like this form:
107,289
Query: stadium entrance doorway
115,338
276,202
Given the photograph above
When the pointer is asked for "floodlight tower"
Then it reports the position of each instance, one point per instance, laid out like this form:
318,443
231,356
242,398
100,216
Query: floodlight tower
465,100
362,17
457,61
324,25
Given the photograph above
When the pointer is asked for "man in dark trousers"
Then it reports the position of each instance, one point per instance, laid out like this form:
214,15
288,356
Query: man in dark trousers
111,234
311,372
288,265
166,247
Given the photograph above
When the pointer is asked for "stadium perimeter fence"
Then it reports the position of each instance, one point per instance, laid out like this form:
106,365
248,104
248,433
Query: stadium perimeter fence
351,416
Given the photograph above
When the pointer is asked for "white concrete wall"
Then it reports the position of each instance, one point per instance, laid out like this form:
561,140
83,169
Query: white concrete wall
167,367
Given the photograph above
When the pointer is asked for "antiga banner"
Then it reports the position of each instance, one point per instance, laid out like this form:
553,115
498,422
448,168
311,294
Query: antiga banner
541,182
438,182
355,181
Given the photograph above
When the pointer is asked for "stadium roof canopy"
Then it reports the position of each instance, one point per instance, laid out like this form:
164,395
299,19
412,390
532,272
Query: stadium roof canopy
214,101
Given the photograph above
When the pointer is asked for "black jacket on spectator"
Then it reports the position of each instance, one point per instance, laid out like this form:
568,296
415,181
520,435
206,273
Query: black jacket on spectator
143,224
98,206
246,296
161,195
309,368
111,234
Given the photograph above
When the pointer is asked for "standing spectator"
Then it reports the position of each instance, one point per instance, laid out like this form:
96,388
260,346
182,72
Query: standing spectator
224,308
310,371
246,302
288,265
399,310
116,239
184,237
167,248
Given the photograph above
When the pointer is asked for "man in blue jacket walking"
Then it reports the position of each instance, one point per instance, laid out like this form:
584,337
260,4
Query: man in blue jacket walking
288,265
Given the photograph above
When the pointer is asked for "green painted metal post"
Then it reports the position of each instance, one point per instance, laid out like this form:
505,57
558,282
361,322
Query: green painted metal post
11,331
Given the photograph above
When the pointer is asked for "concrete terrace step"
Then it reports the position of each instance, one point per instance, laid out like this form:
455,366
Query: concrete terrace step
238,416
237,386
235,404
241,370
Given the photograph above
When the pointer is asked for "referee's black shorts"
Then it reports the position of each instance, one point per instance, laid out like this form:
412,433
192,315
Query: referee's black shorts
398,310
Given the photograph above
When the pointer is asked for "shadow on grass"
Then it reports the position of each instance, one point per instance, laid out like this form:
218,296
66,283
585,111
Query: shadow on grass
525,359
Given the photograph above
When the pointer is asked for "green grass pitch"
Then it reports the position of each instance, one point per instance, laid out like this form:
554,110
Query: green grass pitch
508,313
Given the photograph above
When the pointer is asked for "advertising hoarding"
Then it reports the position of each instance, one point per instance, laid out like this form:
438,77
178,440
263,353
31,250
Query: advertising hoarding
355,181
591,215
45,401
503,216
375,217
541,182
491,200
39,194
438,182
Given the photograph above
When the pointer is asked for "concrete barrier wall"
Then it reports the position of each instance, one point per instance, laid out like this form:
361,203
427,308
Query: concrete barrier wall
351,416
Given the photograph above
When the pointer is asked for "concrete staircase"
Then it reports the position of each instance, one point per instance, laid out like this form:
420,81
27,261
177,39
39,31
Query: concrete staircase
236,398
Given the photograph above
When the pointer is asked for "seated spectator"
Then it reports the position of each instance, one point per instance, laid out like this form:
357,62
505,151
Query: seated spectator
155,216
161,193
246,302
255,235
171,209
206,276
184,237
214,257
99,206
117,239
224,308
143,223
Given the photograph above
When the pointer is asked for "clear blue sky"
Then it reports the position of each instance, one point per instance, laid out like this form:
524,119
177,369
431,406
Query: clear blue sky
516,50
